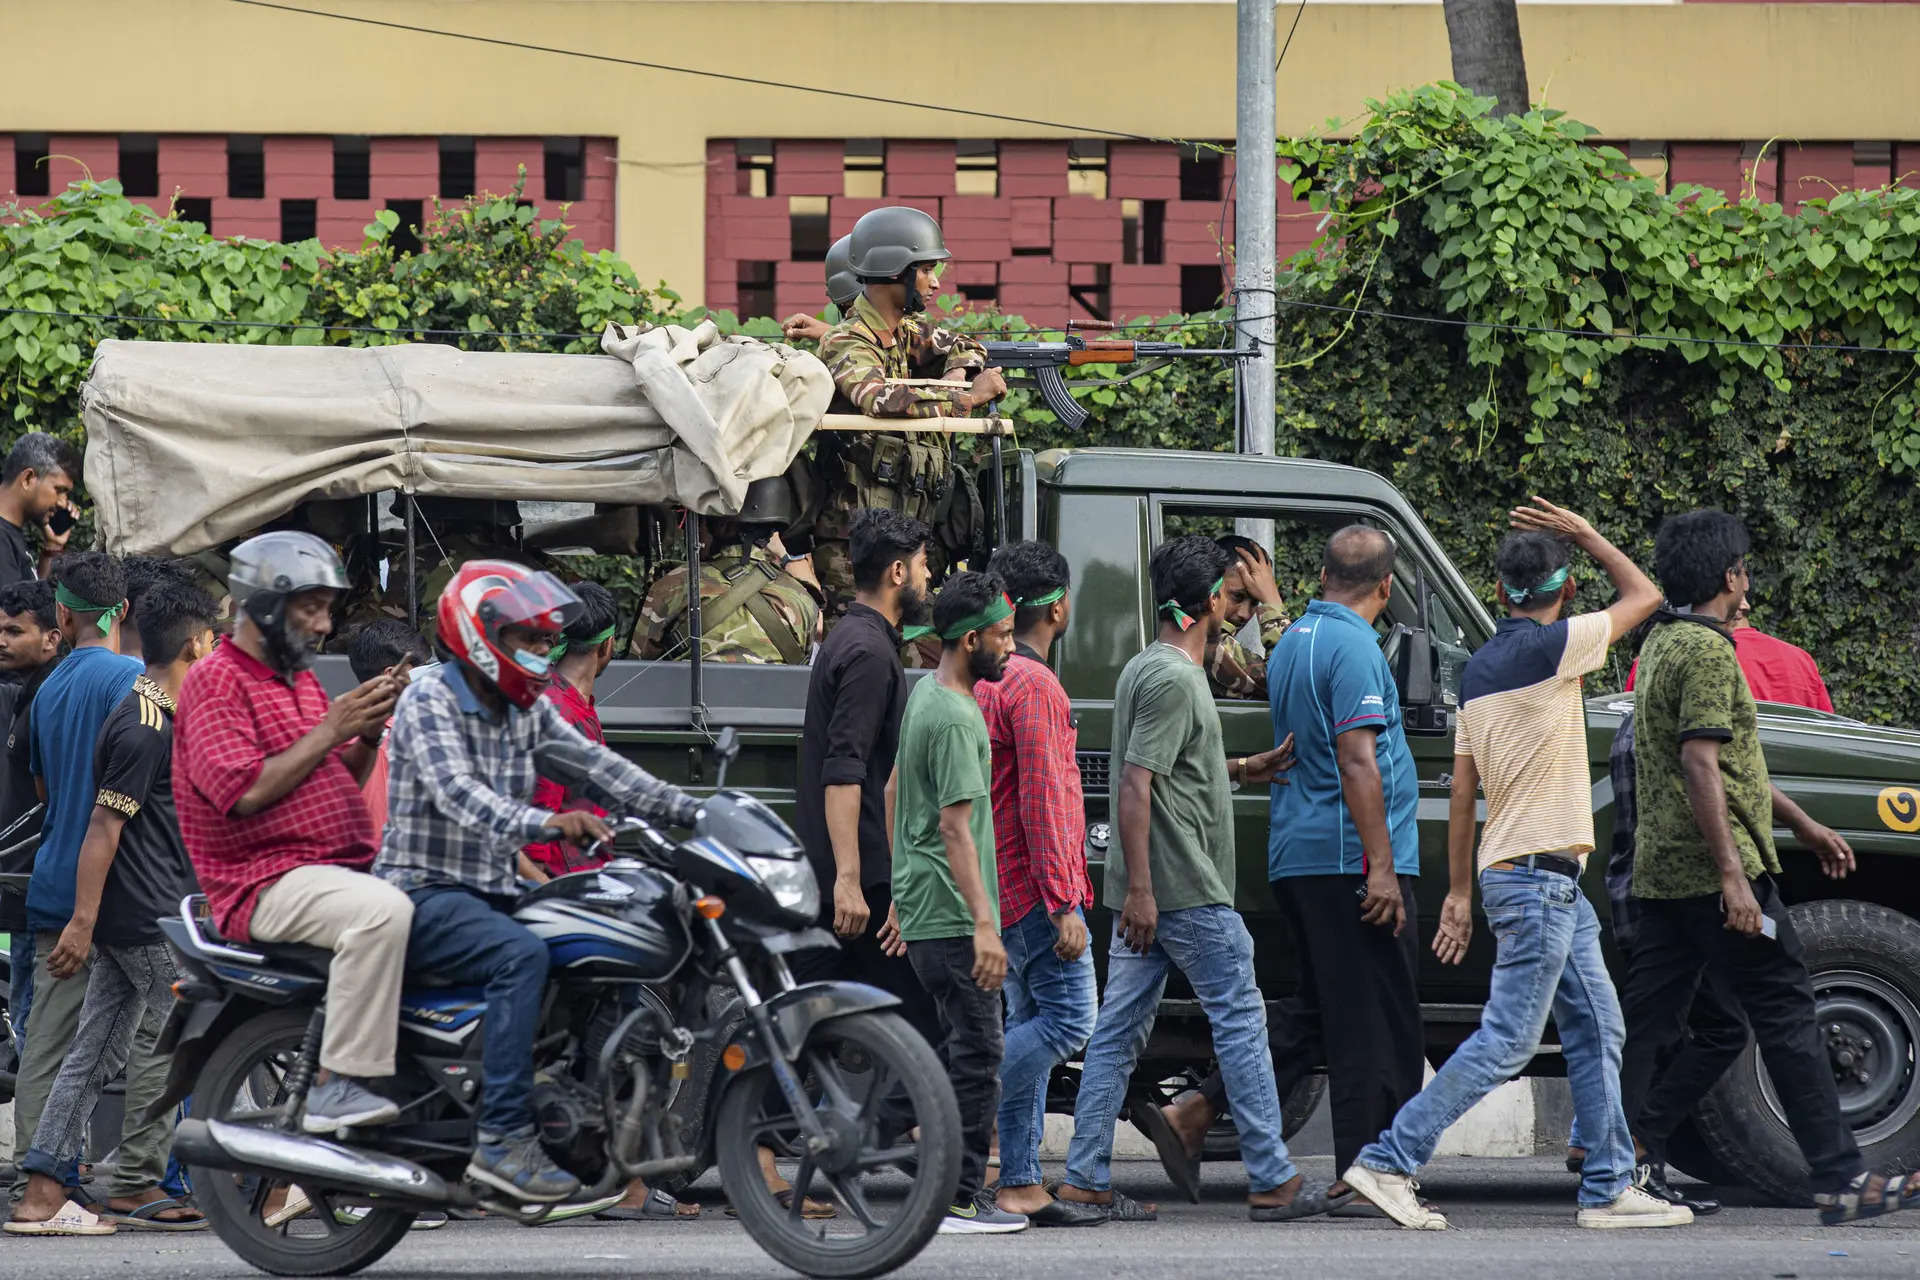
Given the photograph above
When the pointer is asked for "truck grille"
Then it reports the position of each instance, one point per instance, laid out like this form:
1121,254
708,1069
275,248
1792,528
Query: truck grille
1095,771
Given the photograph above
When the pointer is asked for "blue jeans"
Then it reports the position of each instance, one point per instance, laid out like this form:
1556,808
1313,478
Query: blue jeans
459,935
1547,962
1212,947
1050,1008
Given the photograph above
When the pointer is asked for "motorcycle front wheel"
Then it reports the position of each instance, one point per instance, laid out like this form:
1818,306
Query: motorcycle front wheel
893,1157
243,1082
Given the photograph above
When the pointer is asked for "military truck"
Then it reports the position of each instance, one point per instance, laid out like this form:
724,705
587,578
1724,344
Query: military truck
1107,509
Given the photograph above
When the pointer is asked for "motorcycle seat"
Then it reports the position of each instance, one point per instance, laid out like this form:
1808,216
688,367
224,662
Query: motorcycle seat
287,955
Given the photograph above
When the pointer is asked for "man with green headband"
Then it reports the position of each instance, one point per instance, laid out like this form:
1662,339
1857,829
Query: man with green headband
946,884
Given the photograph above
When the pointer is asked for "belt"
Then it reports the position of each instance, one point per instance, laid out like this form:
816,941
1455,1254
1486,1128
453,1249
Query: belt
1568,867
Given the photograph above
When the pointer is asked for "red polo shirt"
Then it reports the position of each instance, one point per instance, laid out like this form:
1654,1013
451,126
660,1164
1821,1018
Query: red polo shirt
234,714
1776,671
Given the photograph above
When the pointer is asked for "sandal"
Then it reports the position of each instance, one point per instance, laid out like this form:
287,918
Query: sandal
658,1207
1182,1166
147,1217
1901,1191
71,1220
1308,1202
1124,1207
813,1210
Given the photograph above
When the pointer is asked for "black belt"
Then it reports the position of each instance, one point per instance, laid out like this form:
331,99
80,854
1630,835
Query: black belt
1568,867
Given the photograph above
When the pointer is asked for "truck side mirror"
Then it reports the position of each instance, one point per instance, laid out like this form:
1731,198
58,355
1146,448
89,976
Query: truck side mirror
1410,654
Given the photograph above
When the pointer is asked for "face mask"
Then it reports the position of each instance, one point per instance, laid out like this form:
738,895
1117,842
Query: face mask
532,663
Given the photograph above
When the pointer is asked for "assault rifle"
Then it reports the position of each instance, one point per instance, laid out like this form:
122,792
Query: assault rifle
1044,361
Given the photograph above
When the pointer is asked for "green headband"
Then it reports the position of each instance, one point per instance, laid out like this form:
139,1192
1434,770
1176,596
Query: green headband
1519,595
1035,602
591,642
107,612
996,609
915,632
1180,616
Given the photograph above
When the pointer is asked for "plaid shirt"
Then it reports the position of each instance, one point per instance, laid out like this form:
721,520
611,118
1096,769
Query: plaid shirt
1626,815
1039,822
557,857
455,775
235,712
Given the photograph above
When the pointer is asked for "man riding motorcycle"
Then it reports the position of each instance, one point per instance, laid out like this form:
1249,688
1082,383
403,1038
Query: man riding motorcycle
461,769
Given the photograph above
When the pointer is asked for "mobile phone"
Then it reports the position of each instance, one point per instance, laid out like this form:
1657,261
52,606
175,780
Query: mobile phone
1768,929
60,520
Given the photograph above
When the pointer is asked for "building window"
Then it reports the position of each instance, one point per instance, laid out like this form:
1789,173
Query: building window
195,209
1200,287
756,289
1091,285
299,220
566,168
139,165
406,236
866,171
755,166
456,168
352,169
976,167
246,167
1199,174
1087,169
807,215
29,164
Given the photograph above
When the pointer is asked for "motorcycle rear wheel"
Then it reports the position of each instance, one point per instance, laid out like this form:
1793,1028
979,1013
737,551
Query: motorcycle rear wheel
247,1074
848,1064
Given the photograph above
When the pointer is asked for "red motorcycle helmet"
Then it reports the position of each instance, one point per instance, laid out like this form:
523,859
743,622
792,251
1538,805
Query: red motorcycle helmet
485,598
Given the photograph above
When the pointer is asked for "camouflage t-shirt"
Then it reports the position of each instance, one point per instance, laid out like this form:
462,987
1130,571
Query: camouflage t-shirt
1235,671
1691,686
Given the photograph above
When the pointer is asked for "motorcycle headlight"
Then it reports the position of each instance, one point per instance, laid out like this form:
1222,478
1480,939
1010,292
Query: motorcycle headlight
791,882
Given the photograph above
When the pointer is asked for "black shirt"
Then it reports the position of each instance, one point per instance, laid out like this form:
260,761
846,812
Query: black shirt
17,792
150,872
16,560
854,701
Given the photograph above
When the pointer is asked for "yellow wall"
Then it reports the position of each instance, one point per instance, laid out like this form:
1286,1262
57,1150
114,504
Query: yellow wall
1692,71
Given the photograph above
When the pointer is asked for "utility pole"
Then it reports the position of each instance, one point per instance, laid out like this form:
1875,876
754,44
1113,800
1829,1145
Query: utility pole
1253,240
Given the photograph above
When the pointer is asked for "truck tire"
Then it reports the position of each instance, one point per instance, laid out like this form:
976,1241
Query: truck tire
1865,961
1223,1140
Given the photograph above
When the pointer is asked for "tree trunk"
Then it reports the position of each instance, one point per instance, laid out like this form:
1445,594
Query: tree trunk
1487,58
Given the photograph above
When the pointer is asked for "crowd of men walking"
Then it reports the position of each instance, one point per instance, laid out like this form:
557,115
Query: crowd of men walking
946,826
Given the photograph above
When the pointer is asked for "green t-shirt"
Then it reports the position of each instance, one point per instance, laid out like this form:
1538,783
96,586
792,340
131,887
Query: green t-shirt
1691,686
1164,720
944,758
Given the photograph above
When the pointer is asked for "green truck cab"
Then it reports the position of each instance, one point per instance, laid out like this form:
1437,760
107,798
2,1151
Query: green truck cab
1106,509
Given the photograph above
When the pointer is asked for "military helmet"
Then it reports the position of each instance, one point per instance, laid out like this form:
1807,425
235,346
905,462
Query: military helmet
887,241
842,285
769,501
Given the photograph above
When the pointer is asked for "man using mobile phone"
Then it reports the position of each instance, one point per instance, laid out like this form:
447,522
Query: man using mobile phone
1704,886
36,489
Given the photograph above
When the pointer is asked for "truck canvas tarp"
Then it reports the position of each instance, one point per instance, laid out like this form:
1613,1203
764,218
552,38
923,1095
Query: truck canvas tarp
192,444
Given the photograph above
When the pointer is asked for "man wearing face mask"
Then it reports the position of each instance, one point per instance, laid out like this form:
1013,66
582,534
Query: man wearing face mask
887,361
267,776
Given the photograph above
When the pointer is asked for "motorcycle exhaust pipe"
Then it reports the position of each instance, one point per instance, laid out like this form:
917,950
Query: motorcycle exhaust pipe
217,1144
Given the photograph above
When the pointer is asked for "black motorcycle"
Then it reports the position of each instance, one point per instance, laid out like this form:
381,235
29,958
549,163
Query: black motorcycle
658,958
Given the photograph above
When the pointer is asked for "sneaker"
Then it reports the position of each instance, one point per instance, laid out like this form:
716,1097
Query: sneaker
1652,1179
341,1102
1635,1208
1395,1194
519,1167
981,1217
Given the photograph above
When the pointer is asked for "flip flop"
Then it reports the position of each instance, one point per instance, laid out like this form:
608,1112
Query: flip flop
71,1220
297,1205
146,1217
1182,1168
658,1207
813,1210
1308,1202
1123,1209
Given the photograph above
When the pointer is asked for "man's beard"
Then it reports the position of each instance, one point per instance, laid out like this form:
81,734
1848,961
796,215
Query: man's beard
986,665
914,610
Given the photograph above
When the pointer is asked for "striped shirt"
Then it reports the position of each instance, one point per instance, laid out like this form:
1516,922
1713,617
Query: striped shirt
1524,724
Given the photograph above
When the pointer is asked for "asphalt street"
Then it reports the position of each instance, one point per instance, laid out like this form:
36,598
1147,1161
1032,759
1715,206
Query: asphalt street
1512,1217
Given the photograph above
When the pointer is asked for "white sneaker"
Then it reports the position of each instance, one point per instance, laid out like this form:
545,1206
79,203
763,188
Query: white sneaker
1635,1208
1396,1195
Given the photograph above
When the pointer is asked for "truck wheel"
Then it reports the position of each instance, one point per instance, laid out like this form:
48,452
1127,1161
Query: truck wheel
1865,961
1223,1140
1687,1151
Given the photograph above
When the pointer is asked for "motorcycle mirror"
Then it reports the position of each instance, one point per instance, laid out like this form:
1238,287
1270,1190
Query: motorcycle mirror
727,745
568,763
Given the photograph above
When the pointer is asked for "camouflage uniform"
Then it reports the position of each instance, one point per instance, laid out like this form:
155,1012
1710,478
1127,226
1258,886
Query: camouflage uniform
435,563
901,470
1235,671
743,635
208,569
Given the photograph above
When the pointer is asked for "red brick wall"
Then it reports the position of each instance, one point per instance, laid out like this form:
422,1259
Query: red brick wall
301,168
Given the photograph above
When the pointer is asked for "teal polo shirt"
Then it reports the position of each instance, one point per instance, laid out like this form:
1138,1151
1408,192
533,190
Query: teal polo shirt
1327,677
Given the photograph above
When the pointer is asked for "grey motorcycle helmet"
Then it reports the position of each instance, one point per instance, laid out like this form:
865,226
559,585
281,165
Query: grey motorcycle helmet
843,286
887,242
267,571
